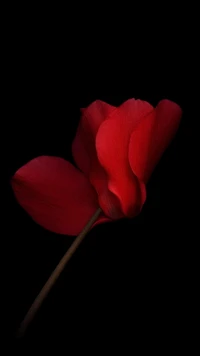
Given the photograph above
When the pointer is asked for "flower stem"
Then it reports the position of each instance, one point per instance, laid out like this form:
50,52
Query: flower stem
54,276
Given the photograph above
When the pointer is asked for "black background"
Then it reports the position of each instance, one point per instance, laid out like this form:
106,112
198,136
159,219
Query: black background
128,276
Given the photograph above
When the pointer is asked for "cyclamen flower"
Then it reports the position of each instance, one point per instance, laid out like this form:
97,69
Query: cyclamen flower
115,150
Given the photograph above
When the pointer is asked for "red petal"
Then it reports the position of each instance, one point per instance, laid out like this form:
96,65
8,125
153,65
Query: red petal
84,153
151,137
56,194
83,148
112,143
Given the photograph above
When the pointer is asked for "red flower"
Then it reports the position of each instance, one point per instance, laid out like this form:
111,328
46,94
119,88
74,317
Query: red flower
116,149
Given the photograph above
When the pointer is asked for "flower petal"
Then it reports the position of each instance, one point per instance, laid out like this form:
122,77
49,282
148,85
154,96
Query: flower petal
112,143
83,148
151,137
85,156
56,194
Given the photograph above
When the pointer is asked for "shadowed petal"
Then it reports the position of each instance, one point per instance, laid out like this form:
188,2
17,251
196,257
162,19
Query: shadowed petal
83,148
84,153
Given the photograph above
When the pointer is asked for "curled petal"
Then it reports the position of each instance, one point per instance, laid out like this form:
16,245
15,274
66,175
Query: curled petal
55,194
112,144
151,137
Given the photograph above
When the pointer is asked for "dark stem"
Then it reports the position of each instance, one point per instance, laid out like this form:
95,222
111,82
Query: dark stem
54,276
